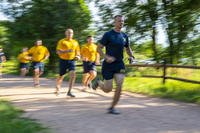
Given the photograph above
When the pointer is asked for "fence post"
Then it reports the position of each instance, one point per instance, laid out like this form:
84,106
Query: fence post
164,71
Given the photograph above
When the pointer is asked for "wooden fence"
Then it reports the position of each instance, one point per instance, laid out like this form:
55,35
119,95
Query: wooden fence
164,67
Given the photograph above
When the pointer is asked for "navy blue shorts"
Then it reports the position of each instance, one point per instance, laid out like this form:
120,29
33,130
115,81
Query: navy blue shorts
88,66
109,69
66,65
24,65
38,65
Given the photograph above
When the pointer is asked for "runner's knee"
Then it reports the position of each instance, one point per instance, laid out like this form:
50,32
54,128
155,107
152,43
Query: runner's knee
119,78
108,86
72,74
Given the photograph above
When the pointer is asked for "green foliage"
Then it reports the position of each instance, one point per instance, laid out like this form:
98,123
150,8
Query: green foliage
46,20
144,17
49,19
11,121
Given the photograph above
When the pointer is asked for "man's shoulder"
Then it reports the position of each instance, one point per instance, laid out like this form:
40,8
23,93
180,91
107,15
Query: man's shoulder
124,34
44,47
61,40
74,40
109,32
84,45
94,45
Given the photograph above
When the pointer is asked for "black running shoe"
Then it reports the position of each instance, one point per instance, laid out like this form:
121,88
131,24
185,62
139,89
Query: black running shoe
113,111
70,94
95,85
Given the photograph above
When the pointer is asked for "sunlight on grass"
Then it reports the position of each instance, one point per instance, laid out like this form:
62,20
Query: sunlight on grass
172,89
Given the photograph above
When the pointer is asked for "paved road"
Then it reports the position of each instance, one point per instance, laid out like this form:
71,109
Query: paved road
87,112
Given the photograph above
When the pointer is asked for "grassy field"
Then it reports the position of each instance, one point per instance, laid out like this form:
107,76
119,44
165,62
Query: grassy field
176,90
11,121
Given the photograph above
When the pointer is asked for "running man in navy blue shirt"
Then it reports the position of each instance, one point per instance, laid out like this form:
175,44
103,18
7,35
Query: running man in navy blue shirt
113,66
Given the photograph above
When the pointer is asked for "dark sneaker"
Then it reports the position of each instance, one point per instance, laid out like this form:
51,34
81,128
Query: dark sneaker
70,94
113,111
95,85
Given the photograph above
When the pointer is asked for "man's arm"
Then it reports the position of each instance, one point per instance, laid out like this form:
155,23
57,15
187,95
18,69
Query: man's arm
100,51
130,54
107,58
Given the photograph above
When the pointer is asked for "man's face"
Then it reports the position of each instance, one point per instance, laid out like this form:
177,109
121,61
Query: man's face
119,22
90,39
25,49
69,33
39,42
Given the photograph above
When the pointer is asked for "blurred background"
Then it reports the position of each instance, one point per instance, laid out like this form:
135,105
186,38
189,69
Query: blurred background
158,29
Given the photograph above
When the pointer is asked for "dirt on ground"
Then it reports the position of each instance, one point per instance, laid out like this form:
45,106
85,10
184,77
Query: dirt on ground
87,112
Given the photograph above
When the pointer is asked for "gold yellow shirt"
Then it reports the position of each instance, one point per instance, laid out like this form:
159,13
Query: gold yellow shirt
65,44
23,57
38,53
89,51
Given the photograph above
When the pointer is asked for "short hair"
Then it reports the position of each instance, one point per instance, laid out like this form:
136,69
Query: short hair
89,36
117,16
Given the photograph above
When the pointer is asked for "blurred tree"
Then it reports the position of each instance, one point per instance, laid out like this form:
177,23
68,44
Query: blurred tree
177,14
48,20
144,17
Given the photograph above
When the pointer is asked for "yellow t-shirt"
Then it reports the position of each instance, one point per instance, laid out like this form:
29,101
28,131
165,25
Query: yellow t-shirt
89,51
38,53
65,44
23,57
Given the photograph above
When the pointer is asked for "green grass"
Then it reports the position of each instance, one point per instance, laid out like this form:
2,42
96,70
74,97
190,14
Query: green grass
11,121
176,90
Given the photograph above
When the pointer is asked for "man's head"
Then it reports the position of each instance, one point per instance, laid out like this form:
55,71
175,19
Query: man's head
38,42
69,33
24,49
118,22
90,39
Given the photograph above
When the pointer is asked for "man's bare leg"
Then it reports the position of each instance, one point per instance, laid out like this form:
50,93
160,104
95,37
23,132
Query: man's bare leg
85,79
36,77
106,85
59,83
72,79
92,75
119,79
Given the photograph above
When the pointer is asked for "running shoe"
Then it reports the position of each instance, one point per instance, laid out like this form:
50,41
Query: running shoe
113,111
70,94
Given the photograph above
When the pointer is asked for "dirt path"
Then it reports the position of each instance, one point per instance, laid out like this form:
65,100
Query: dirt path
87,112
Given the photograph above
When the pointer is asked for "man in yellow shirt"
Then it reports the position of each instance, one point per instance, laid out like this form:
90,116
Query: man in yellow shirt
39,54
68,51
24,60
90,59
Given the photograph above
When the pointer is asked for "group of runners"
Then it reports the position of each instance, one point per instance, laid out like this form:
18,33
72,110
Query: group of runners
68,51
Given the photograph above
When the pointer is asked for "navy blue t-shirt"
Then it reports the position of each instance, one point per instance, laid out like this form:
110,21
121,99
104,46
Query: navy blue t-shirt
114,43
